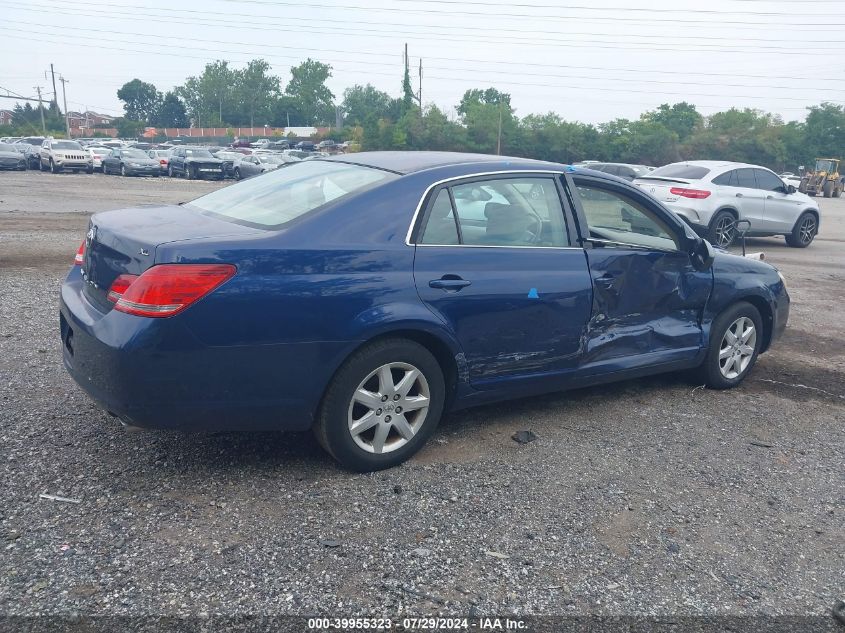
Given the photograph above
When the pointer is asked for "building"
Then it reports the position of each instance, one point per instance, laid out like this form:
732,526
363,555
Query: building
6,117
84,123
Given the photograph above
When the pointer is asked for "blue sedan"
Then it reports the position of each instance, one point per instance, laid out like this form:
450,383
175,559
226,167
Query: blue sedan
363,296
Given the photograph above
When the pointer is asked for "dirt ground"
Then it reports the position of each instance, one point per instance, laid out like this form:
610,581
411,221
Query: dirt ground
646,497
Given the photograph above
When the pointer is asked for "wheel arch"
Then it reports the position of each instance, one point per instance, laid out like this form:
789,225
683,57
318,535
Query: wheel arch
811,210
727,208
434,338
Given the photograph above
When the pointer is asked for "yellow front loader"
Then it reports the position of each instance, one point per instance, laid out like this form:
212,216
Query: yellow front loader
823,179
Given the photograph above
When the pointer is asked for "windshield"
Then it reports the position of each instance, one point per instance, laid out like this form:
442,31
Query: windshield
66,145
5,147
679,170
283,195
133,153
198,153
824,165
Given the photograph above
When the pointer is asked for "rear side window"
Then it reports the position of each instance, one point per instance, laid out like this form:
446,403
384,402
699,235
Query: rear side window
680,170
283,195
728,179
745,178
504,212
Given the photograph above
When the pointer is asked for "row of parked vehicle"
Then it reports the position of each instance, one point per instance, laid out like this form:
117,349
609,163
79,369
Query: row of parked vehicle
241,160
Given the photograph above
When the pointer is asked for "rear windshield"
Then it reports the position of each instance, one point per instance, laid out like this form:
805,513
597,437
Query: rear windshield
679,170
271,200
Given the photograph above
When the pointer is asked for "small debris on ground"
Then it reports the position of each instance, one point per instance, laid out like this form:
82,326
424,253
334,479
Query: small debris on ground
523,437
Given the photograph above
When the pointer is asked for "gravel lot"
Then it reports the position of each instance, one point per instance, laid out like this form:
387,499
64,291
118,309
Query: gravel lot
645,497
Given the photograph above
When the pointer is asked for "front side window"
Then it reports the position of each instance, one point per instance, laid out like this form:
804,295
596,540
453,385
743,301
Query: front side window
745,178
503,212
283,195
615,217
768,181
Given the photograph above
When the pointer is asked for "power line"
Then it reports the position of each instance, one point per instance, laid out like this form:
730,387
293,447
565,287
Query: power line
533,42
452,68
523,15
34,7
464,79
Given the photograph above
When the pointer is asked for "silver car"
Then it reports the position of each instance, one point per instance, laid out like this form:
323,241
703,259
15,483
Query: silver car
712,196
256,164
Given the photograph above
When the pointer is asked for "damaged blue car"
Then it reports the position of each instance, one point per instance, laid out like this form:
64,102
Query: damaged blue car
365,295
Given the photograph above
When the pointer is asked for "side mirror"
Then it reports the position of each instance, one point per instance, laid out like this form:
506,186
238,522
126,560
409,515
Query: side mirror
702,255
790,189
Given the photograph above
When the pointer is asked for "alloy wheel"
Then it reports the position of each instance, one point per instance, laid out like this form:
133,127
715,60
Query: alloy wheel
388,408
725,231
807,230
737,348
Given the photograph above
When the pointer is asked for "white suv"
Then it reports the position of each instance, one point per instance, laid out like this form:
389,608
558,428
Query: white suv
58,155
712,195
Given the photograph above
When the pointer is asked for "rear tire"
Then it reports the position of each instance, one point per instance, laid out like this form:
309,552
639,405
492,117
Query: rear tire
387,373
722,231
837,190
237,174
123,170
189,175
804,231
170,171
735,340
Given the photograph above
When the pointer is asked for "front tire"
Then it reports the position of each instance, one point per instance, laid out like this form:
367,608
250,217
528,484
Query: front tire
827,188
237,174
804,231
735,340
189,174
53,168
722,231
381,406
123,170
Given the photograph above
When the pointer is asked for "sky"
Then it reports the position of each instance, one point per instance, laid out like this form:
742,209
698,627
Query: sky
586,61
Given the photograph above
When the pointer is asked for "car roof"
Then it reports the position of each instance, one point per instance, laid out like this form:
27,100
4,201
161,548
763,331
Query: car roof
410,162
717,164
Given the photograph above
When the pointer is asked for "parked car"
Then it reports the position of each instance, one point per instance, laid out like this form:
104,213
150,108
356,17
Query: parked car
229,159
32,153
130,161
306,146
713,195
258,164
623,170
11,158
194,162
97,155
260,143
326,145
348,297
58,155
163,158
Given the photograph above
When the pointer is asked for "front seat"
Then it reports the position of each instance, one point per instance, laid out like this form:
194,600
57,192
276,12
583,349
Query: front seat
509,225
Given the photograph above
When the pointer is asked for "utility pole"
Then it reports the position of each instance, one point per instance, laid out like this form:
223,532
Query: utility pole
64,98
499,136
419,96
55,94
41,110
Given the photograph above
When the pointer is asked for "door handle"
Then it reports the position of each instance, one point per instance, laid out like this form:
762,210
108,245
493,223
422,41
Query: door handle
449,283
739,195
770,197
606,280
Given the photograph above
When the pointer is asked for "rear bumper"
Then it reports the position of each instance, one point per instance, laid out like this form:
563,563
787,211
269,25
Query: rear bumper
155,373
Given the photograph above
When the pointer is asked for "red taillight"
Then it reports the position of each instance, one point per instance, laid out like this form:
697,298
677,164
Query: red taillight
80,254
167,289
163,161
698,194
119,286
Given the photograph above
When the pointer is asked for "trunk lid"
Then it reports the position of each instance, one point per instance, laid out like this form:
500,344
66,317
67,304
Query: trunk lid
125,242
660,187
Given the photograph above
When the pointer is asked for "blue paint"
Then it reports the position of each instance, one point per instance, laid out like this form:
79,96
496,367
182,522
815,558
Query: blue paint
259,351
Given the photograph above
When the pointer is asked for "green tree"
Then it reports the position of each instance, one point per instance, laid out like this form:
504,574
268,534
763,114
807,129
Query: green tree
311,96
126,128
257,90
191,94
824,128
141,100
364,103
490,122
216,85
681,118
171,112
